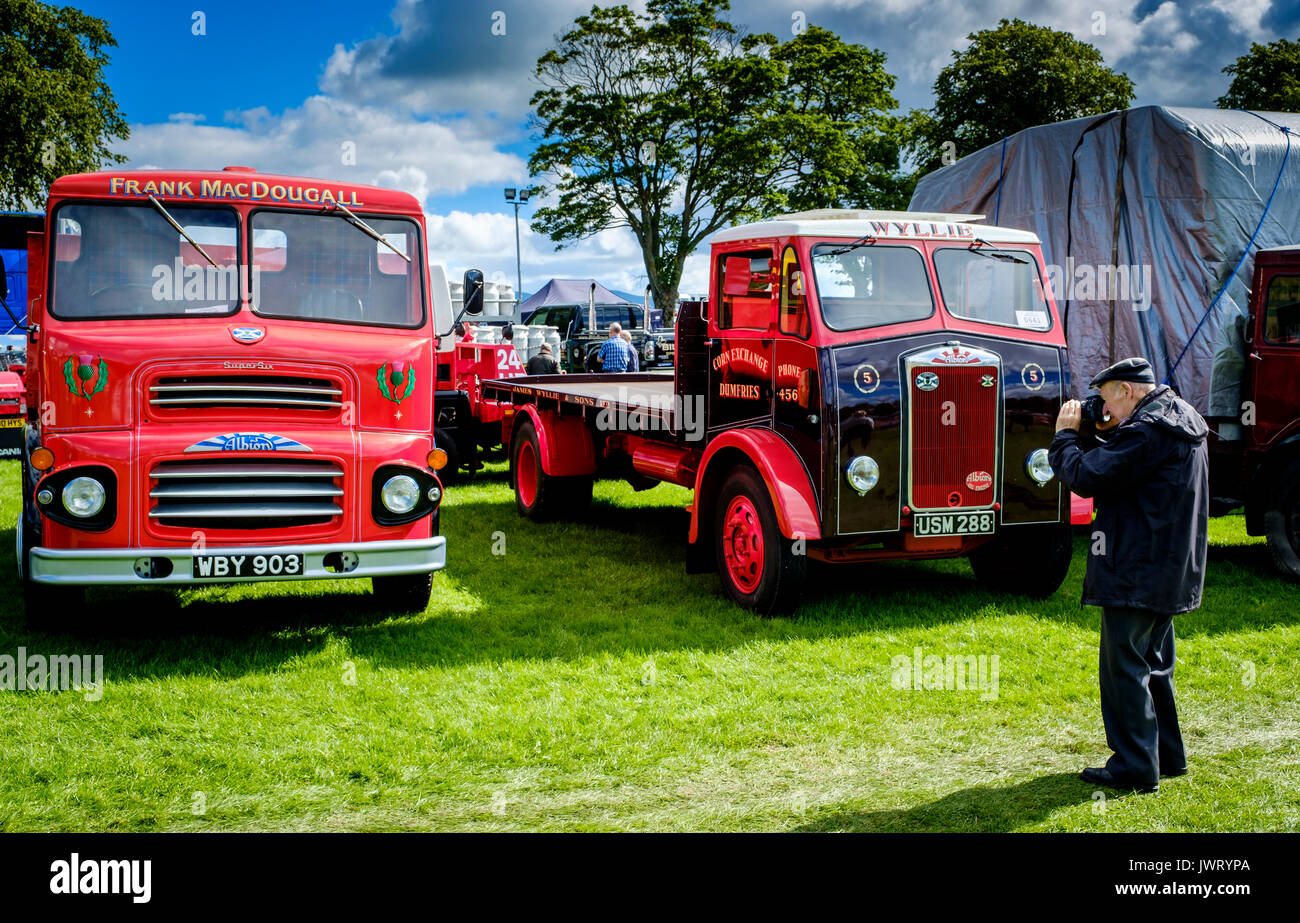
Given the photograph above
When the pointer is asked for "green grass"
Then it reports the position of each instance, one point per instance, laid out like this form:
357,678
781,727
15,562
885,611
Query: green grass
584,681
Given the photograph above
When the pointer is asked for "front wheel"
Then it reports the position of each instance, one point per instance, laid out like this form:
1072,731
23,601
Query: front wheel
1031,560
408,594
49,607
758,566
450,472
1282,522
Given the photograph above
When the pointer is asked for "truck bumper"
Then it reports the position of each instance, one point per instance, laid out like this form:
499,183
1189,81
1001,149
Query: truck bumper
175,566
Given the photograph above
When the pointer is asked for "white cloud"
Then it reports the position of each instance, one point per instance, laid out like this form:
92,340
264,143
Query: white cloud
392,149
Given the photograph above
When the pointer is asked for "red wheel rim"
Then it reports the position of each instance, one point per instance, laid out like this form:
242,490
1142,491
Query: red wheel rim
526,474
742,544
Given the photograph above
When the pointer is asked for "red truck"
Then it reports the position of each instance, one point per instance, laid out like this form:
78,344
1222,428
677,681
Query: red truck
230,380
859,386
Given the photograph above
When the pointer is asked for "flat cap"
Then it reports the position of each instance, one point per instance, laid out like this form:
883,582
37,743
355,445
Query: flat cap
1133,369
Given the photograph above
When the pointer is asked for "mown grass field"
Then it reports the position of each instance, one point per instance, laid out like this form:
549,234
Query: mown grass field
583,681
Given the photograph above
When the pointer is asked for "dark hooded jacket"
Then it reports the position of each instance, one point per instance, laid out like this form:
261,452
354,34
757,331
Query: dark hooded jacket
1150,484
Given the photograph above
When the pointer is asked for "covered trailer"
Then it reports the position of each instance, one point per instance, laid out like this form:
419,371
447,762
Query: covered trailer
1150,220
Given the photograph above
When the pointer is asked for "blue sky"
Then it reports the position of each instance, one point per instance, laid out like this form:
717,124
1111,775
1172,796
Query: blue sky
434,98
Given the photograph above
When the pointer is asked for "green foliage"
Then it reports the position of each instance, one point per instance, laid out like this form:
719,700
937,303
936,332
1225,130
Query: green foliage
57,111
1010,78
1266,78
673,124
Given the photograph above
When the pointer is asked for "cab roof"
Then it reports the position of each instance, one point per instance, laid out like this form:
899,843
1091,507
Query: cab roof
853,223
188,186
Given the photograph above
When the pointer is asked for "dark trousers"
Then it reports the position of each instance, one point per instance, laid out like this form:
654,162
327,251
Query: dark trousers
1137,694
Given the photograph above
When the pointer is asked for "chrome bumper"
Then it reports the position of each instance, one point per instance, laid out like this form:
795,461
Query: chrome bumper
105,566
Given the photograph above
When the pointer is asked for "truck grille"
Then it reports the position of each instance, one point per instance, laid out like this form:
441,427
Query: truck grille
954,429
245,494
245,391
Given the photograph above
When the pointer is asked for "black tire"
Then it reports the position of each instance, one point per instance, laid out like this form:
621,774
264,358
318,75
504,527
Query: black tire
408,594
539,496
1282,522
48,607
769,581
444,440
1025,560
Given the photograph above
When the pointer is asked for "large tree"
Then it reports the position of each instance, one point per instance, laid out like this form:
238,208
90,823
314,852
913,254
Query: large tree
1010,78
57,114
1267,77
674,124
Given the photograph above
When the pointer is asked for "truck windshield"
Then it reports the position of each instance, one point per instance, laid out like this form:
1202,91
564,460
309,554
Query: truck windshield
1001,289
128,261
320,266
870,285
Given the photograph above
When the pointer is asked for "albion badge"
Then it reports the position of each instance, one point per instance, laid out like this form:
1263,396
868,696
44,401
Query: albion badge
927,381
396,381
83,378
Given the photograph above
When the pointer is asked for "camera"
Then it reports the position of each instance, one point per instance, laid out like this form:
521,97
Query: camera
1093,412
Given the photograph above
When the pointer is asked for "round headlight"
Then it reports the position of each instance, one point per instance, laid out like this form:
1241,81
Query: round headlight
400,493
1036,467
863,473
84,497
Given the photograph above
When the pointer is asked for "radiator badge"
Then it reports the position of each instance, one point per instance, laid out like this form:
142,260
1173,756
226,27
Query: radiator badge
956,356
247,334
83,378
927,381
396,381
248,442
987,381
979,480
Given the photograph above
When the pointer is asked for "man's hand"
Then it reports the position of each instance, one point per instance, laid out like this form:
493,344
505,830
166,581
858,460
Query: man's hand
1070,417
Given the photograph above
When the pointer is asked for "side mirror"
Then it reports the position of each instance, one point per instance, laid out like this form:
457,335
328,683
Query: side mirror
473,292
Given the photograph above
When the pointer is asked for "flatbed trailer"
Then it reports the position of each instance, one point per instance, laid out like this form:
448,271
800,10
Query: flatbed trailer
858,387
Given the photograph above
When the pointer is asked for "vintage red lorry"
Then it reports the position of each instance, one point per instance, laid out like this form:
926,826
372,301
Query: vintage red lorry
230,379
859,386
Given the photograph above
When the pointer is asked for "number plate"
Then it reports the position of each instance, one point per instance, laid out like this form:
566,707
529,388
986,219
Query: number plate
925,525
11,422
247,565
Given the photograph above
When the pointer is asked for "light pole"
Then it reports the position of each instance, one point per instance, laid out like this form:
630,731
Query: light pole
517,198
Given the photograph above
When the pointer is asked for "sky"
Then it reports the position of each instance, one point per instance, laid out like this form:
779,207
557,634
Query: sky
432,95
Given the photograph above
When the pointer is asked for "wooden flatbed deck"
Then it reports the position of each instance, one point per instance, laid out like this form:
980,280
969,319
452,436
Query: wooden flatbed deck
637,395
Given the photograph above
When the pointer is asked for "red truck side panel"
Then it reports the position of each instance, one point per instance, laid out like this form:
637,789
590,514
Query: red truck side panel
786,479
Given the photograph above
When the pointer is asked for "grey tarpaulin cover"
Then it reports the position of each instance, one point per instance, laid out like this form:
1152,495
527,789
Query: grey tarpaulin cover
568,291
1179,215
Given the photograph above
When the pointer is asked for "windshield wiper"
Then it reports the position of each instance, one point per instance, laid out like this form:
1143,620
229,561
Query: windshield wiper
848,248
995,254
367,229
172,221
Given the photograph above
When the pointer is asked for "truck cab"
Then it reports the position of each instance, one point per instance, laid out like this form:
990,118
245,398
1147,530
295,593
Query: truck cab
230,380
859,386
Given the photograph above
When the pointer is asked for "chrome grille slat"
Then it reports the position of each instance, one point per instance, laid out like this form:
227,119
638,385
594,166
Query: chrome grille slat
299,469
245,494
188,490
226,390
280,509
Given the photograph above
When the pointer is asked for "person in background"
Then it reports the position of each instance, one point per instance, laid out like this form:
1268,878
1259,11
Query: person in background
634,365
615,355
542,363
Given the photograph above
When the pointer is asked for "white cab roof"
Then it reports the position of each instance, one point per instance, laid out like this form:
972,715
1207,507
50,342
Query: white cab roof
853,224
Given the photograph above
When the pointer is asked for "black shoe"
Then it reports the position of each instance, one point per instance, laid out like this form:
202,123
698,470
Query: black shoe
1173,773
1104,777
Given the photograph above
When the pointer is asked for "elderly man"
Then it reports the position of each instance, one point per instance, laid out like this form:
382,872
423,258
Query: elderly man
615,355
1150,481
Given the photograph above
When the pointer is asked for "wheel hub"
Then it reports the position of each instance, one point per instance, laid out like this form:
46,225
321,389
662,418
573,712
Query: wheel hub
742,544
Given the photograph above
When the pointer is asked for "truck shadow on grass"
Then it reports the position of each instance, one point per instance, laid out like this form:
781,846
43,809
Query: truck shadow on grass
970,810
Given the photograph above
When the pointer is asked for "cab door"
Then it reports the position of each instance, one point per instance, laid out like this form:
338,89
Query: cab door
742,328
1275,353
795,383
